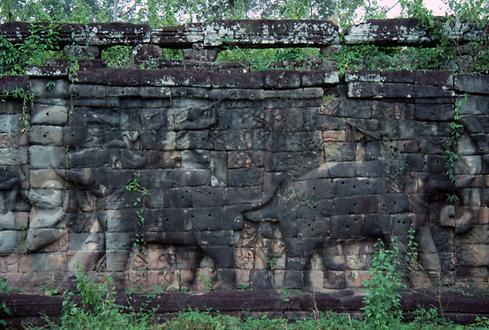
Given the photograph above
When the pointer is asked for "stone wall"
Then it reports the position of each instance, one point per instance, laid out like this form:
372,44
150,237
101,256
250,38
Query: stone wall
187,178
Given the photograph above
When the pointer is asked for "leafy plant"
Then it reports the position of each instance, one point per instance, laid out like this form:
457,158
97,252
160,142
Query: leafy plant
140,201
272,263
96,308
273,58
117,56
429,318
452,198
39,46
412,248
244,287
302,198
26,97
382,304
207,282
4,289
451,145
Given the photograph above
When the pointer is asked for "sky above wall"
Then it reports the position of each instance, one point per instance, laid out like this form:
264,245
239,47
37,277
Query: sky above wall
437,6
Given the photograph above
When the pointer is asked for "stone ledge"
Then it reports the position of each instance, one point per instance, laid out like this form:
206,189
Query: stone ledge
248,33
12,83
405,31
274,79
461,307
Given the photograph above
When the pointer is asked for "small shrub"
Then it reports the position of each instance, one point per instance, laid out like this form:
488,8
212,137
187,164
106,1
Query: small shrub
117,56
207,283
4,289
382,304
202,321
97,309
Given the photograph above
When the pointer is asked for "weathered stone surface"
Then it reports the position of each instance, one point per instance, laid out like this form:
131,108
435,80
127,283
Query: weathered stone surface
380,90
11,123
476,124
47,157
46,135
270,32
472,83
432,112
49,114
271,179
9,241
403,31
282,79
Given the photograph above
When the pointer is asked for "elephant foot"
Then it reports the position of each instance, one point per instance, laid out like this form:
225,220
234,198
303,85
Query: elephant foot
261,279
225,280
118,280
294,279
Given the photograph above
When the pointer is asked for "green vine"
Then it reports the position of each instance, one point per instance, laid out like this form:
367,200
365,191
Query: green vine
451,145
141,200
26,97
412,249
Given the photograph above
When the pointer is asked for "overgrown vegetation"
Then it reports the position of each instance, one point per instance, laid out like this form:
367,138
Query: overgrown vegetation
35,50
443,54
382,308
272,58
26,98
451,146
3,306
141,203
93,305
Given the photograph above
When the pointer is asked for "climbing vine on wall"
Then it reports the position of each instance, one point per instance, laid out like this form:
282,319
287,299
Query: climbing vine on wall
451,146
140,203
26,98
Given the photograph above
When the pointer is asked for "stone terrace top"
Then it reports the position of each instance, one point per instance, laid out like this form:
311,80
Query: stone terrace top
249,33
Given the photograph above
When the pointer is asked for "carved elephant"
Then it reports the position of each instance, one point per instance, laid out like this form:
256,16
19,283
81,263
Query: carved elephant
316,211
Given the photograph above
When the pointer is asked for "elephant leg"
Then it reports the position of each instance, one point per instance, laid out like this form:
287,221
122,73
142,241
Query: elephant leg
298,254
223,258
334,266
429,259
118,248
